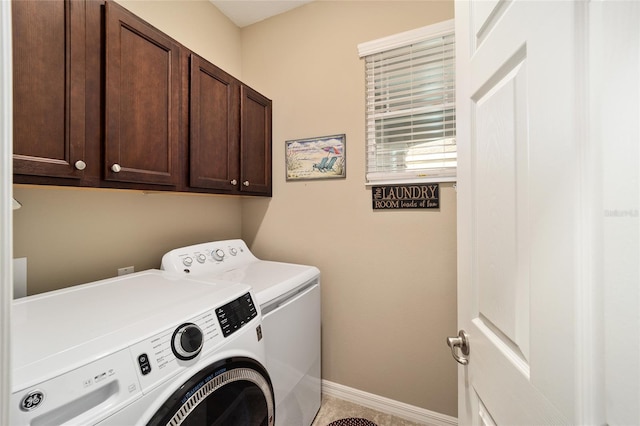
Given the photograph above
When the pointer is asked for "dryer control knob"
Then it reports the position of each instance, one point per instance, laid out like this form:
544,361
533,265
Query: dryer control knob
187,341
218,254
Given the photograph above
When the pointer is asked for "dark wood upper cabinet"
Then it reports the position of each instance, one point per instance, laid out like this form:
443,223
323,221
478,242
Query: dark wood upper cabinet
104,99
229,133
255,142
141,101
48,88
214,132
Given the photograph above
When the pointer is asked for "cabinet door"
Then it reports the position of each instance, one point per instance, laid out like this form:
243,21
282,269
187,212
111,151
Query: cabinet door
214,127
142,101
48,88
255,143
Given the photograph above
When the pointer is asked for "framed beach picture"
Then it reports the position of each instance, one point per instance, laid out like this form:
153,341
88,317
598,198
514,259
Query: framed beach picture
316,158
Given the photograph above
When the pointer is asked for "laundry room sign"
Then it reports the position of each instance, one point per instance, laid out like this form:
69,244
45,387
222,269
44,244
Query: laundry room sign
393,197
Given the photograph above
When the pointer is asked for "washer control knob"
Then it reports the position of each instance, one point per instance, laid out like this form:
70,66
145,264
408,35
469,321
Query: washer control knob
187,261
187,341
233,251
218,254
201,258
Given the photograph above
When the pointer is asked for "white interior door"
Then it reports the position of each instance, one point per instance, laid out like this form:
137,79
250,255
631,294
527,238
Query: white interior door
521,221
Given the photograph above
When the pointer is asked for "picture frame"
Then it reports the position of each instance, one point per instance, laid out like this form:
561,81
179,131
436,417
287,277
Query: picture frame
316,158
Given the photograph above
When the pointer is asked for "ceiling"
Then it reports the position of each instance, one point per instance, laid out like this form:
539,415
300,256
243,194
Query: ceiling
247,12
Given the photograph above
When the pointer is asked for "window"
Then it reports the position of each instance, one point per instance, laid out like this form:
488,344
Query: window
411,115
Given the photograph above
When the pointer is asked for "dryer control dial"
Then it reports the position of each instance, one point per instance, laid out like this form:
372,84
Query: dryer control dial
218,254
187,341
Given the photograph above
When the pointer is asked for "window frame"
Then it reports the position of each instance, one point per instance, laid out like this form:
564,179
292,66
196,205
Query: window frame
405,175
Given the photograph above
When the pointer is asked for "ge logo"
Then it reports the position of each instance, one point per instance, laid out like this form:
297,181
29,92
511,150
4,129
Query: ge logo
32,400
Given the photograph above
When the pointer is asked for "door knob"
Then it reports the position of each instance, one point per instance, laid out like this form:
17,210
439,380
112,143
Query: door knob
245,183
234,182
80,165
462,342
116,168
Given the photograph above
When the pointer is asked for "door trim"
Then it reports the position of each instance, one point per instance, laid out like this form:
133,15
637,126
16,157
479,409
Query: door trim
6,212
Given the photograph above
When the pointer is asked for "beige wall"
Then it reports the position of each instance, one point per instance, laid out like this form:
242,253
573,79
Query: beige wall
388,277
389,283
71,236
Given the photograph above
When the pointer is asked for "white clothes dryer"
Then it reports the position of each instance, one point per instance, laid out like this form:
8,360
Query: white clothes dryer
289,298
148,348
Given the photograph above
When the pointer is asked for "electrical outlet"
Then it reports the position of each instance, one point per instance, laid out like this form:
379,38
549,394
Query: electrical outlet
126,270
19,277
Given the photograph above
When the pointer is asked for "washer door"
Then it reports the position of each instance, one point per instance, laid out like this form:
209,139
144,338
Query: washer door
232,392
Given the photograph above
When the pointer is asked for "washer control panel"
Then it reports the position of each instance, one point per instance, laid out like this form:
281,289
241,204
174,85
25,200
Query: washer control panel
208,258
178,347
236,314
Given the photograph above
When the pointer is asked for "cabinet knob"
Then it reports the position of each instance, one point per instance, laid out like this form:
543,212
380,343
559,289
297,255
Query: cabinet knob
245,183
80,165
116,168
234,182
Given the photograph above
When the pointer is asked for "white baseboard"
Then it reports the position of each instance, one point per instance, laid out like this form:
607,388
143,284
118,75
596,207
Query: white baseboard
388,406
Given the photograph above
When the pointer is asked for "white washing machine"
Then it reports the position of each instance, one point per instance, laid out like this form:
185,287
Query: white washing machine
148,348
289,298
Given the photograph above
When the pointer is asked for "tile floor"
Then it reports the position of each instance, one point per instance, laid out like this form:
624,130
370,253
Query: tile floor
334,409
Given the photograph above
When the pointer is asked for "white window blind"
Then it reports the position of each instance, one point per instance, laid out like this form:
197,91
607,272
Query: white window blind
410,98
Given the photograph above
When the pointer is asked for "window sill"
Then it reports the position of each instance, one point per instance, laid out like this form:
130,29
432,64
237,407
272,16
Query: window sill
435,179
